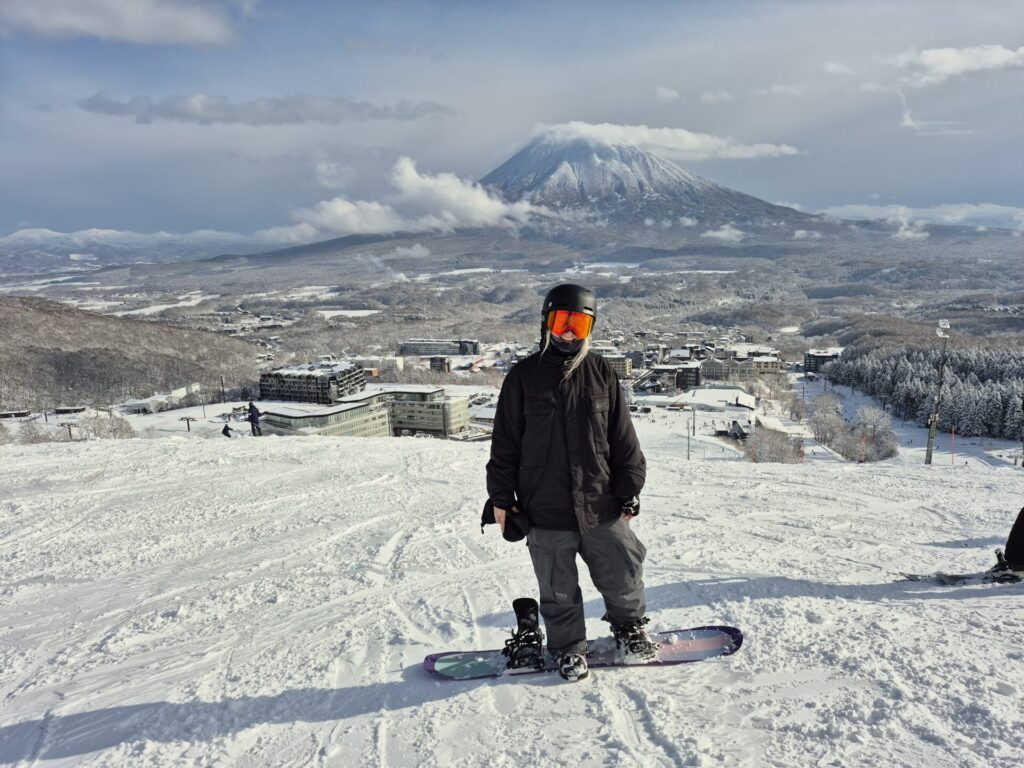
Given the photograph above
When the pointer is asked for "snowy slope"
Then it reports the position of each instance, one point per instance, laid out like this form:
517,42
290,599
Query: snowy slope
621,181
268,602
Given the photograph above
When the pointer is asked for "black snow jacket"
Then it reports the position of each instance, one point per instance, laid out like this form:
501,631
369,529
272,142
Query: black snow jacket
564,450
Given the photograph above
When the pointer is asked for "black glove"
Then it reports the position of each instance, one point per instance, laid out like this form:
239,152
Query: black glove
517,525
630,506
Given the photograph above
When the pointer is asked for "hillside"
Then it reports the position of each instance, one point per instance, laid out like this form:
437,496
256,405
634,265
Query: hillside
52,354
270,602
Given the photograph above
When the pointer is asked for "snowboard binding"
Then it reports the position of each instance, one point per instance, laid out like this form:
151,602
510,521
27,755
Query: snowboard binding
1005,572
525,649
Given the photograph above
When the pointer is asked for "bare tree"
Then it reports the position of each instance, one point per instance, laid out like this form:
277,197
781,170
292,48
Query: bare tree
769,445
106,428
30,433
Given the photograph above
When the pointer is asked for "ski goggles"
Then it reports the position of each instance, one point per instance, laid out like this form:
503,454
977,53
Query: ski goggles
561,321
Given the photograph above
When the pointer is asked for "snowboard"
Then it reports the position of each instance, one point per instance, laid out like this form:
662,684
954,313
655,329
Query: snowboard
959,579
678,646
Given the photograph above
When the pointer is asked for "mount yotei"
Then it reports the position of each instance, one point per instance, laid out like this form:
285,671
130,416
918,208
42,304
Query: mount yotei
625,185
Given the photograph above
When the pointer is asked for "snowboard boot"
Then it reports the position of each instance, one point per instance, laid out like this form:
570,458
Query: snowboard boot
634,644
1004,571
525,649
573,667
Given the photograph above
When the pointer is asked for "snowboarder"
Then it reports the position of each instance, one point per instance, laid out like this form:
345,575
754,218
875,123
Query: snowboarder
226,431
565,457
1011,559
254,420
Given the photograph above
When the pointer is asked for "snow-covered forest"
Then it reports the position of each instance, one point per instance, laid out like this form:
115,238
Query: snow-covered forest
982,390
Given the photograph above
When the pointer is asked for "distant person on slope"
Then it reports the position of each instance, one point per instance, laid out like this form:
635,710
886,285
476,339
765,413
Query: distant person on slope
565,456
254,420
226,431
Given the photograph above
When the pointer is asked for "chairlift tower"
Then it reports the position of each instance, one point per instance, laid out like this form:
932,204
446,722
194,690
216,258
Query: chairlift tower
943,333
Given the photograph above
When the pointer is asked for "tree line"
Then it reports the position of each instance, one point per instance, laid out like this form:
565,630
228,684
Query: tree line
982,390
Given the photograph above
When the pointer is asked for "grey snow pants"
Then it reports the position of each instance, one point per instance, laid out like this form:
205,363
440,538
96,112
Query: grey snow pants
614,556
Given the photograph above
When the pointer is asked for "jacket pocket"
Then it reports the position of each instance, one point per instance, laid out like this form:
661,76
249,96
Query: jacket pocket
597,406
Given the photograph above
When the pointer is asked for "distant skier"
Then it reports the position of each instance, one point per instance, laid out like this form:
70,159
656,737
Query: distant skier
254,420
566,465
226,431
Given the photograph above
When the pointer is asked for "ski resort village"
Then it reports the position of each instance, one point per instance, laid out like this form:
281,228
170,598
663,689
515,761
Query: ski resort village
491,385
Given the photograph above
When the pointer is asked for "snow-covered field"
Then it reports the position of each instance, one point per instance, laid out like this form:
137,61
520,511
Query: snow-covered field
269,601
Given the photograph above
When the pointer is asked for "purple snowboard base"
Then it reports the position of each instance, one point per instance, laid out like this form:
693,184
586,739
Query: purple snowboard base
678,646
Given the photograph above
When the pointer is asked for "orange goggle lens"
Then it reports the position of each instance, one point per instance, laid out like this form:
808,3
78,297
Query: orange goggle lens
562,320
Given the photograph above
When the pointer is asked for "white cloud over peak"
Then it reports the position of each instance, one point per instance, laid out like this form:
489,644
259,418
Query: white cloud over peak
677,143
204,109
807,234
716,97
135,21
936,65
666,95
726,233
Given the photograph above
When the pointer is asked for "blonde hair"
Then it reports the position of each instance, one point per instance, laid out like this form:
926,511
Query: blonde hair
577,360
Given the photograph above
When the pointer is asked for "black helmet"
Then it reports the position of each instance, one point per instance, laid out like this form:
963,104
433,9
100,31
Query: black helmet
572,297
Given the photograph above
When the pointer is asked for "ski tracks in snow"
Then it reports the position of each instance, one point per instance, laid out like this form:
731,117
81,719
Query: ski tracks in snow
270,602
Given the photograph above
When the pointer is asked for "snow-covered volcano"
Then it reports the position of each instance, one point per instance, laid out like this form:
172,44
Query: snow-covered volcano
619,181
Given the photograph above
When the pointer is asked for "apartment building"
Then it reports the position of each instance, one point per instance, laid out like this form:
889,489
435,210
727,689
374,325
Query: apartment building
369,418
322,383
621,364
814,359
430,347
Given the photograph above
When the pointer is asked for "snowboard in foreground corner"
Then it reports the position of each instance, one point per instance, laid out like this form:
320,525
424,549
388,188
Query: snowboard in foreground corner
959,579
1003,572
679,646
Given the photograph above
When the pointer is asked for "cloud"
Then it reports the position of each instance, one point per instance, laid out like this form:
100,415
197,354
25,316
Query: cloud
666,95
782,90
910,231
687,221
421,203
836,68
677,143
331,175
726,233
966,214
909,228
936,65
416,250
136,21
806,234
930,127
716,97
277,110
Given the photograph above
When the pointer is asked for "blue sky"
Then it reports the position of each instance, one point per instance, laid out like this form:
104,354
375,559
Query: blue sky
251,115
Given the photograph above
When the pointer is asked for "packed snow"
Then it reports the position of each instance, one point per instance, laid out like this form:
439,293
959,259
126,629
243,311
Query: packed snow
269,601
